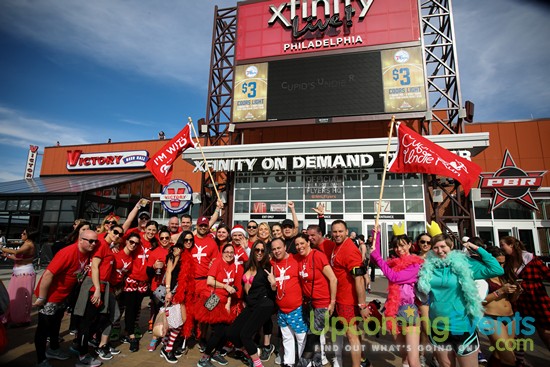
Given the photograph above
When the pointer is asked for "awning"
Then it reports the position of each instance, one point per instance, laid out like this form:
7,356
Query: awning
68,184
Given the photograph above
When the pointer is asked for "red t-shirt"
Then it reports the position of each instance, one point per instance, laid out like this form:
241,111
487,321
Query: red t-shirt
121,267
139,264
289,291
65,266
160,254
105,266
241,257
311,270
343,259
326,247
204,252
225,273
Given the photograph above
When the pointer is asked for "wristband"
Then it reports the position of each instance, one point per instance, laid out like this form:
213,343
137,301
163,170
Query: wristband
362,306
496,293
40,298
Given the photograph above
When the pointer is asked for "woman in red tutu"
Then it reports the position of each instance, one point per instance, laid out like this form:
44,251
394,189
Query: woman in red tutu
224,280
180,270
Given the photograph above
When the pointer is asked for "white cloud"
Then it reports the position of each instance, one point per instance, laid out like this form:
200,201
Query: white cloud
170,40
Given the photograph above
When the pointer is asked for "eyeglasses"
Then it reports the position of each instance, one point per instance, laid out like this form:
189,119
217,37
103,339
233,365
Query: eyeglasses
91,242
259,250
165,238
110,222
252,227
117,233
422,242
229,253
143,217
133,242
187,240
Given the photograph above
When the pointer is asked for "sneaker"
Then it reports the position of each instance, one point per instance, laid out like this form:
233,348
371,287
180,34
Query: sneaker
217,357
44,363
93,342
365,363
481,358
73,332
324,360
169,356
180,351
125,339
134,345
88,361
202,346
114,351
104,353
57,354
266,352
152,345
204,362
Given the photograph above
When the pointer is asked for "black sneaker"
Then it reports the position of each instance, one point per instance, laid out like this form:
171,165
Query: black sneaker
169,356
366,363
204,362
104,353
266,352
92,342
114,351
134,345
219,359
178,352
202,346
124,339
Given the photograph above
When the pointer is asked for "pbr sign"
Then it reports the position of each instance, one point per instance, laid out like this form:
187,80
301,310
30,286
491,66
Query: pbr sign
511,183
176,196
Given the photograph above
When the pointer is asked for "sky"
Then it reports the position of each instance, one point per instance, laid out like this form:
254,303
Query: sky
82,72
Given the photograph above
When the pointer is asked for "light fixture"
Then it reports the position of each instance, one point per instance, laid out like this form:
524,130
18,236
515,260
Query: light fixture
204,129
223,197
196,198
438,196
231,128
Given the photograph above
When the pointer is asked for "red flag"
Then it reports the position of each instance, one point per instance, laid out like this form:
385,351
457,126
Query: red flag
417,154
160,164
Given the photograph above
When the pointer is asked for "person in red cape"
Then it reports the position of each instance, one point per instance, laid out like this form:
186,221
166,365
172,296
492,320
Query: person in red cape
224,279
401,312
180,290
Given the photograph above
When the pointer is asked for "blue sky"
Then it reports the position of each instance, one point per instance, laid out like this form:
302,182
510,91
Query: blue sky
85,71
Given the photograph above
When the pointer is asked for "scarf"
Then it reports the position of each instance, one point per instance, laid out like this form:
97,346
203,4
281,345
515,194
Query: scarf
394,290
458,263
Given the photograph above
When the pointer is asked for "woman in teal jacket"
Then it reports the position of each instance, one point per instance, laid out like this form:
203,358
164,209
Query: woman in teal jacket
455,304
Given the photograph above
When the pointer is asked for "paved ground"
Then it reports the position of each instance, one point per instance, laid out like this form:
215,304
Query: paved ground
20,351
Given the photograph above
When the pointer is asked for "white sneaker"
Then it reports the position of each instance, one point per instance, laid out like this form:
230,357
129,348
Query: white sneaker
324,360
88,361
278,359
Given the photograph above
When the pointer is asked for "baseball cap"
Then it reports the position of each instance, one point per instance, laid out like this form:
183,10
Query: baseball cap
202,221
144,212
287,223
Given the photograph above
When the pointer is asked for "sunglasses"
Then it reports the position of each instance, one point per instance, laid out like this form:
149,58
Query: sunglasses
259,250
143,217
133,242
252,227
229,253
422,242
187,240
165,237
110,222
287,227
117,233
91,242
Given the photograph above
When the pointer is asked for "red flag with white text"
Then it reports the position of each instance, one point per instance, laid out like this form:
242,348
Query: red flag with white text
416,154
160,164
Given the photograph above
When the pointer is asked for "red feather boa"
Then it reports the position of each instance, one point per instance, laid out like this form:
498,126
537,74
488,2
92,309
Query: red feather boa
185,293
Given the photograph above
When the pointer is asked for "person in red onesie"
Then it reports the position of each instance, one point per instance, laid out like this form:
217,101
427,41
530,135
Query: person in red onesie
346,262
224,279
55,285
204,252
239,241
288,296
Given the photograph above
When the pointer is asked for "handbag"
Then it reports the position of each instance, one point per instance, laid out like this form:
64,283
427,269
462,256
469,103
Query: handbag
160,327
160,292
212,301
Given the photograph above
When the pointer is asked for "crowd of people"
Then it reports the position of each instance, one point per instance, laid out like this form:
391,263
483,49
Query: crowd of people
230,290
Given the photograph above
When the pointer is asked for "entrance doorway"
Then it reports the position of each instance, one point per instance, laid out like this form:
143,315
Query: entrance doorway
526,233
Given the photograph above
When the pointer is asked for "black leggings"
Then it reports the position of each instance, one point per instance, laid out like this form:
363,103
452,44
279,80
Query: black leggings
92,320
217,338
132,303
241,332
48,326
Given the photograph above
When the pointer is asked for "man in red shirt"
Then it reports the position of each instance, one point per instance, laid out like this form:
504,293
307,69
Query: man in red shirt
68,266
288,292
347,264
252,230
240,244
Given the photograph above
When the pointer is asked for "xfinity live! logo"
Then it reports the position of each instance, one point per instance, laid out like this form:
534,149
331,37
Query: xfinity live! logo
439,328
308,10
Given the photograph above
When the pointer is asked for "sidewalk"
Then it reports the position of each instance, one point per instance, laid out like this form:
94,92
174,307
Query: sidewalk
20,351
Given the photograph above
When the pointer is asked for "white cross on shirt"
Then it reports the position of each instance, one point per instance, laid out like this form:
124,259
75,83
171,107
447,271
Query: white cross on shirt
143,256
228,278
303,272
282,277
199,253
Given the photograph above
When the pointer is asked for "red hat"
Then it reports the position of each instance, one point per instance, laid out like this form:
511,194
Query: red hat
203,221
238,229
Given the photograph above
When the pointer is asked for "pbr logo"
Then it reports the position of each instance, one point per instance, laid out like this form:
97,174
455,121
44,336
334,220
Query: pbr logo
176,196
512,183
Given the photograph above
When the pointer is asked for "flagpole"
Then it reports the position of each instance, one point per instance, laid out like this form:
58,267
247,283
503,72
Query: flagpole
204,158
376,221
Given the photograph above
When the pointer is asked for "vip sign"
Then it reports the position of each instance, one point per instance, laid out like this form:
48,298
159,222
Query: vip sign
31,162
511,183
